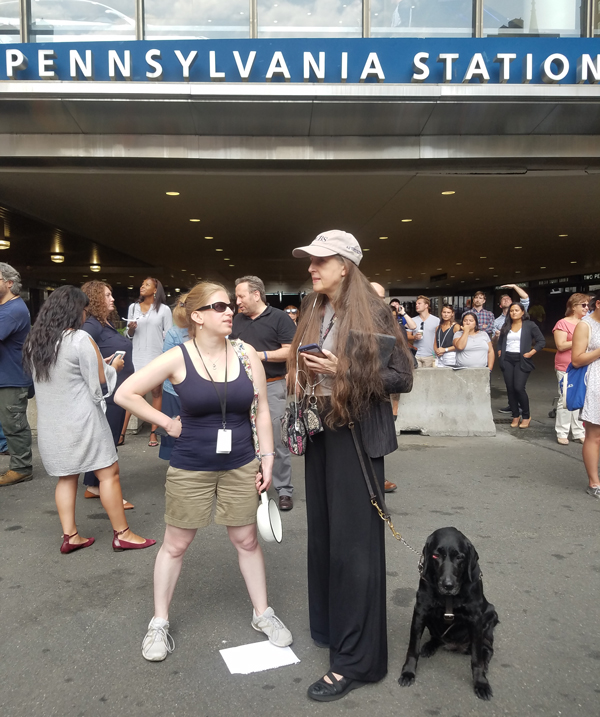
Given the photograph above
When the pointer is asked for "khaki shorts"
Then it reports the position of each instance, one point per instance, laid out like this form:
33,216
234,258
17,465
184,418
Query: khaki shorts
190,494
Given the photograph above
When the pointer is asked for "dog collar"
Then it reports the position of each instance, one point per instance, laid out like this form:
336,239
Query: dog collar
449,611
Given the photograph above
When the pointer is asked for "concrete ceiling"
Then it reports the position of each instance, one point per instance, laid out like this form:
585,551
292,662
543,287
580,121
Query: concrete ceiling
258,216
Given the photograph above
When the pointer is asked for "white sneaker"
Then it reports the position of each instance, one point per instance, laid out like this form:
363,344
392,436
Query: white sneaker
593,490
157,643
273,628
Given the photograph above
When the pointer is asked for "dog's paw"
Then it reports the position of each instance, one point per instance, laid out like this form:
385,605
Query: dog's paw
407,679
483,690
429,649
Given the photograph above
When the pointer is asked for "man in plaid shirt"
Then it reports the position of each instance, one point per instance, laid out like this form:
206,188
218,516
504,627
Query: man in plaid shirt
485,318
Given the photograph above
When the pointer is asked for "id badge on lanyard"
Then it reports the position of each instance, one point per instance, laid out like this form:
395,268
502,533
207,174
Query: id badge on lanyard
224,434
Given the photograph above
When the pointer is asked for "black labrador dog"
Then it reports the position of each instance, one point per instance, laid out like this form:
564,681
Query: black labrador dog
452,606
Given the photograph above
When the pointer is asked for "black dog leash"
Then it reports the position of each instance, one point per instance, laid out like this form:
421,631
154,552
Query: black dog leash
375,497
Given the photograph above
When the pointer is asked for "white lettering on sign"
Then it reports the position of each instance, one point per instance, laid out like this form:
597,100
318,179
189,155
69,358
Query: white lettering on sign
15,60
244,70
186,62
278,67
447,58
372,67
477,67
76,64
527,68
344,69
46,67
420,69
505,58
124,65
318,69
585,65
213,73
158,70
548,73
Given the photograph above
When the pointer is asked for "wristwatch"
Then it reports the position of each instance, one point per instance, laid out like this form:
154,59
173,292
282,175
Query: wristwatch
446,349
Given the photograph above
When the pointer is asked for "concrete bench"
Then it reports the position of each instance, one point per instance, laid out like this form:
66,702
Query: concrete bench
445,402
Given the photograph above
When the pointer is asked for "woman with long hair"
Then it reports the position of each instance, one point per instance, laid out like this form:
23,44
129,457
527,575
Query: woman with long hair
71,382
352,384
444,337
223,430
586,352
149,320
577,308
473,346
98,324
515,352
171,405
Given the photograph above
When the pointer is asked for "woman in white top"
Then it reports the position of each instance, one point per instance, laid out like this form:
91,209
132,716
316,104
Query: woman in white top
473,347
515,352
586,352
444,337
149,320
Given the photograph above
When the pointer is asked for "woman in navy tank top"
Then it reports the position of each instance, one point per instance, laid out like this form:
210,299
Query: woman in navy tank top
223,430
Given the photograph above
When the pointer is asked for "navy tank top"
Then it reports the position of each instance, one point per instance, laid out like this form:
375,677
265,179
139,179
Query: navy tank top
195,449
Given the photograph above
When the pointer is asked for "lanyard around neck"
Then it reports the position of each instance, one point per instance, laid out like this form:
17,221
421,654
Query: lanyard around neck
222,401
323,335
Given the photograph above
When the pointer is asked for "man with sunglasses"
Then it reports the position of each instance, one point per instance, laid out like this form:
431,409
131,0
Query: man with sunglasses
270,332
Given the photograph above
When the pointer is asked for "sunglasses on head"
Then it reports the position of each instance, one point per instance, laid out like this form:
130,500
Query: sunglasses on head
219,306
291,311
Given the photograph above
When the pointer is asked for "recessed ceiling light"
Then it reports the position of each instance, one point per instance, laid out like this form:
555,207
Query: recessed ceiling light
439,268
218,249
4,244
95,267
366,250
376,274
209,237
384,237
184,270
459,263
173,194
452,276
130,287
232,265
490,267
57,258
422,273
563,235
118,282
388,269
407,220
84,276
194,220
448,192
542,267
462,281
573,262
65,279
518,247
495,275
177,290
409,277
517,272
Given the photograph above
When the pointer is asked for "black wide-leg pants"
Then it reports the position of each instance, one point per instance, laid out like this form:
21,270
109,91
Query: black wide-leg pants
346,558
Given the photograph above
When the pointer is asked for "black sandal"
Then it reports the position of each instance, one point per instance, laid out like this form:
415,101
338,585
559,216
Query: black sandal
322,691
121,441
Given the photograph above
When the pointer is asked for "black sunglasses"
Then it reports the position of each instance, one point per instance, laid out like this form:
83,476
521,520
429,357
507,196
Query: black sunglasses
291,311
219,306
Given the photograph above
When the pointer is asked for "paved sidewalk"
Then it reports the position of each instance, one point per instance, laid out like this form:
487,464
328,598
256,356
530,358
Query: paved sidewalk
72,625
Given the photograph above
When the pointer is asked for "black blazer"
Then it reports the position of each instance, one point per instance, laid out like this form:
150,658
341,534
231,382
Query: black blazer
531,337
377,426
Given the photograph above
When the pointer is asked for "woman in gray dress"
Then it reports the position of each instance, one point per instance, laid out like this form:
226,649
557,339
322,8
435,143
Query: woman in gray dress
71,382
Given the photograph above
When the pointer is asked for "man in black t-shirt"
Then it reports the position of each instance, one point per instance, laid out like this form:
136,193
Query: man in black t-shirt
270,332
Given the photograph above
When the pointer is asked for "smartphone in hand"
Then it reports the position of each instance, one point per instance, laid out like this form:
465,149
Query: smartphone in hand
312,349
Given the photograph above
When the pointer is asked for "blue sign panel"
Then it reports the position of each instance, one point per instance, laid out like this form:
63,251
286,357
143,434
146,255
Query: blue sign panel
387,60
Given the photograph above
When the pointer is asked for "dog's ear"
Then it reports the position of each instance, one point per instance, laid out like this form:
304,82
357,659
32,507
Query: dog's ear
426,556
472,561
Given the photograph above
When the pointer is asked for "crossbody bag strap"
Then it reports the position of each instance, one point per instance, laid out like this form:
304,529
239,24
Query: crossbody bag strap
373,486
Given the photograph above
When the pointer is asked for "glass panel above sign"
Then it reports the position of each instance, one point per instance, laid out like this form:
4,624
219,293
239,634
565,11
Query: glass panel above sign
532,18
197,19
72,20
421,18
9,22
309,18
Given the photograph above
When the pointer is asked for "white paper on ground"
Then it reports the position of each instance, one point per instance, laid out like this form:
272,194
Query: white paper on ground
256,657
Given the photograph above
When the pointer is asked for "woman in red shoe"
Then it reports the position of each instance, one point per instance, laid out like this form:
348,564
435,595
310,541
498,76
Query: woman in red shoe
71,382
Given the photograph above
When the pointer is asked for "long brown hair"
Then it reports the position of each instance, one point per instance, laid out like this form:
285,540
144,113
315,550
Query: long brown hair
357,381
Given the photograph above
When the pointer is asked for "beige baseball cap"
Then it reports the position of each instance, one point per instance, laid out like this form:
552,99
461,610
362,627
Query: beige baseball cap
331,243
